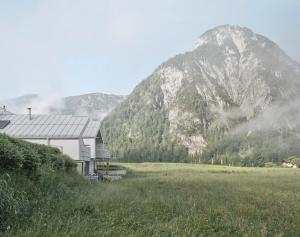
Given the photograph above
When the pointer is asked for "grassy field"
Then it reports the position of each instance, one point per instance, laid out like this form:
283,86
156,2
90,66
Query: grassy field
178,200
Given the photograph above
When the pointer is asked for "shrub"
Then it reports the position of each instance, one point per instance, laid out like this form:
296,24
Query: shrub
27,157
270,164
32,177
10,156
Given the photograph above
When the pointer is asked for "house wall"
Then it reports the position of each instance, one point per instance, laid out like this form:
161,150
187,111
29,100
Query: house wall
72,148
92,143
37,141
69,147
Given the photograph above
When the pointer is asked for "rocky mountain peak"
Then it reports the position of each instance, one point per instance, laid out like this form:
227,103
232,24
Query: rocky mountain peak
238,36
232,77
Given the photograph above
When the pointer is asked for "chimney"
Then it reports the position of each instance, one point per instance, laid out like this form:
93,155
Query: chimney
4,108
29,113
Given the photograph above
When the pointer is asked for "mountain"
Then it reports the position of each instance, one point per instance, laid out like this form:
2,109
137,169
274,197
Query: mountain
235,86
95,105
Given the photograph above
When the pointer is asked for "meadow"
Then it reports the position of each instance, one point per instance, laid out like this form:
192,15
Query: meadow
159,199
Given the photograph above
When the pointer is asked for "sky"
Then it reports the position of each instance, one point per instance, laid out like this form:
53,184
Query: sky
72,47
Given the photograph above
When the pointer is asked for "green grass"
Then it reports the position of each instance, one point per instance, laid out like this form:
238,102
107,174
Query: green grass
177,200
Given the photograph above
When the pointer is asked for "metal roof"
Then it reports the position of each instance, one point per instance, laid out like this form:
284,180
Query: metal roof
92,129
48,126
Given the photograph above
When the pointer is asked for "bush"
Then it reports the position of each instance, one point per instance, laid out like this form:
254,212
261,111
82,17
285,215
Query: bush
270,164
32,177
27,157
10,157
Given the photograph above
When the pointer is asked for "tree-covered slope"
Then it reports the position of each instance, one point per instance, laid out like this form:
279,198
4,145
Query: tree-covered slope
233,82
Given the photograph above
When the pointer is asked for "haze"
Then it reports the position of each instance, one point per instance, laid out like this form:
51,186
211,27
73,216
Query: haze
70,47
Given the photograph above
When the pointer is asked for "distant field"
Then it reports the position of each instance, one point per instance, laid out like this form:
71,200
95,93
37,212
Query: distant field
181,200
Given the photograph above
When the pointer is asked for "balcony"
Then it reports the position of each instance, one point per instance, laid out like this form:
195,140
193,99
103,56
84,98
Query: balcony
102,153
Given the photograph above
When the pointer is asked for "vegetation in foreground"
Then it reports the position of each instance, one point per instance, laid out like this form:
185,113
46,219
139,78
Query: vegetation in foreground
156,200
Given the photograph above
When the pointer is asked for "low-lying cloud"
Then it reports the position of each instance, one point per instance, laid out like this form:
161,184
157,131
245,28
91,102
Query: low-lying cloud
39,104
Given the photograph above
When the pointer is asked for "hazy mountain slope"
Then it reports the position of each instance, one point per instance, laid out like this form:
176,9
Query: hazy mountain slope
19,104
232,77
96,105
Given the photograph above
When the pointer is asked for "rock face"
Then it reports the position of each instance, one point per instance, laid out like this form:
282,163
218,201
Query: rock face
96,105
230,78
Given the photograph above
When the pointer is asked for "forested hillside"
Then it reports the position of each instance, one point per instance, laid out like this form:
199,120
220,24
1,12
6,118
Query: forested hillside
234,97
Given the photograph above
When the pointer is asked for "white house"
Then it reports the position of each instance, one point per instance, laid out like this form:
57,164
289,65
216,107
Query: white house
76,136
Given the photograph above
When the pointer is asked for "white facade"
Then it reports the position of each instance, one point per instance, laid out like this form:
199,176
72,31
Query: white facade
69,147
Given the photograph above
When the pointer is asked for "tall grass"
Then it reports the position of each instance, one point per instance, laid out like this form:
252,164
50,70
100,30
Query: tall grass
176,200
33,179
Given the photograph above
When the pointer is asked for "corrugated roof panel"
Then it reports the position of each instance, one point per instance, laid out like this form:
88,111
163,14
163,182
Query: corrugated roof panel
35,120
68,119
58,120
76,120
26,120
65,130
79,130
26,131
11,129
17,119
72,130
52,130
40,120
40,129
71,121
48,119
45,131
32,129
43,126
11,118
92,129
18,130
59,130
87,132
57,133
32,132
52,120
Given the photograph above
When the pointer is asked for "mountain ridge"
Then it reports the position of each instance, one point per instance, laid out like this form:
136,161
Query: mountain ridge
96,105
193,99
